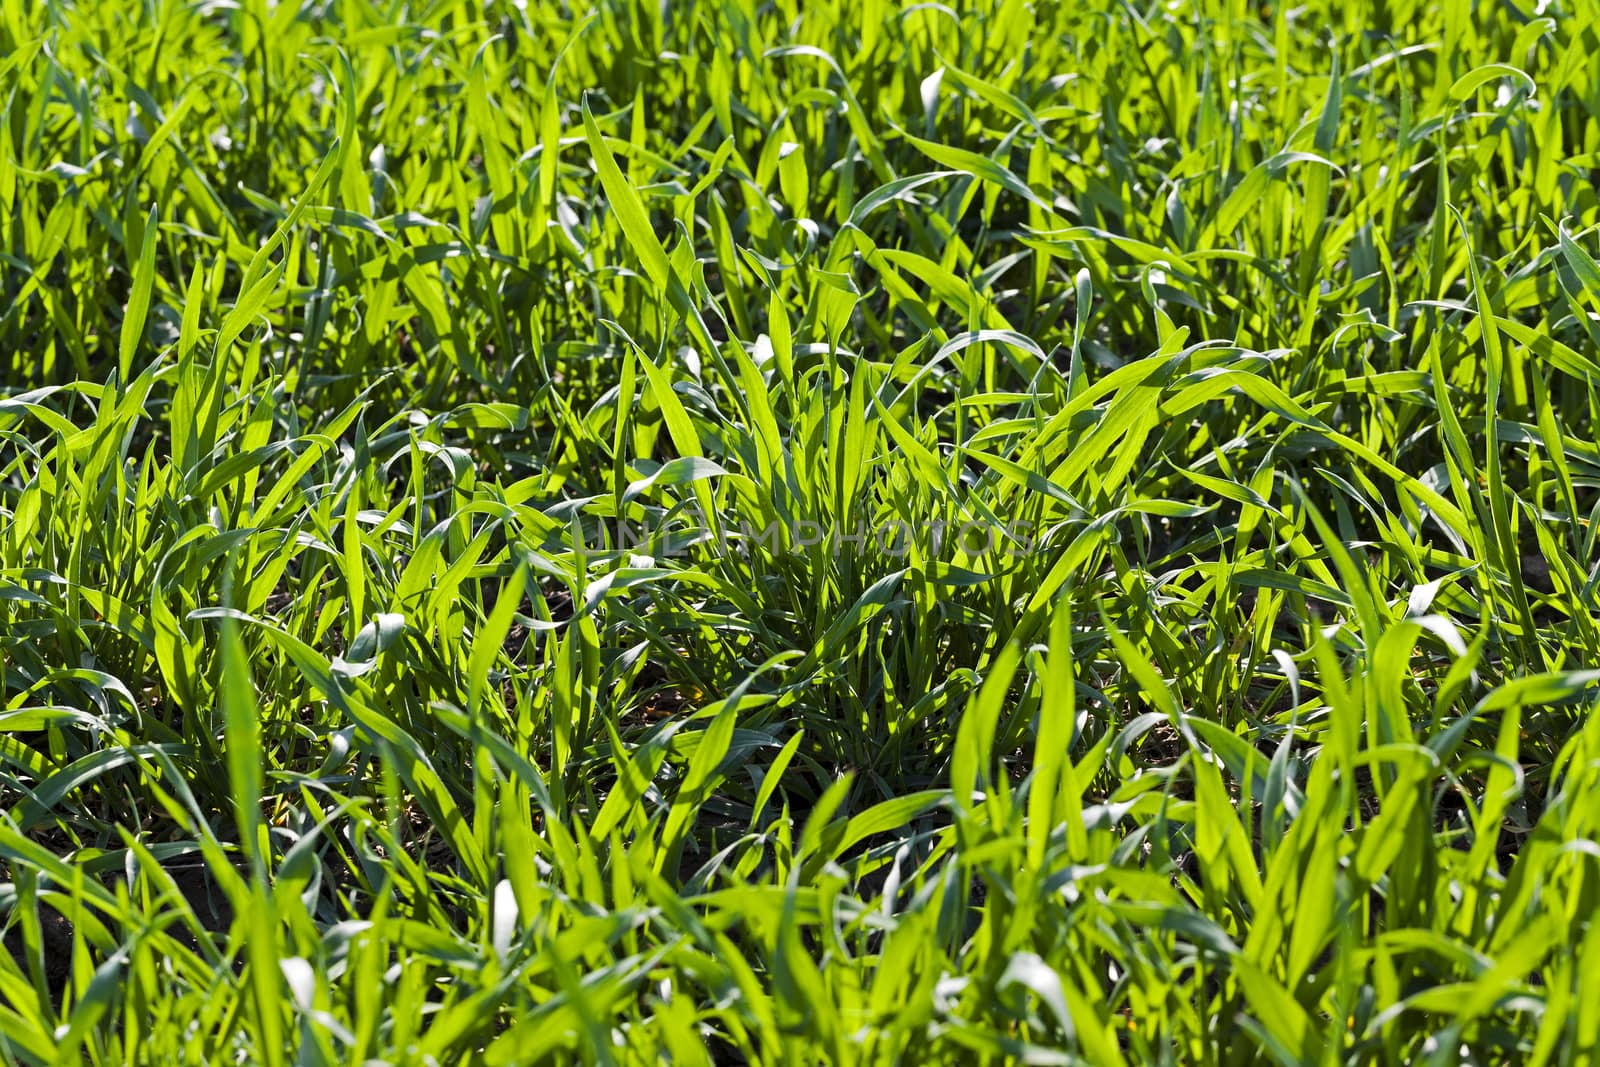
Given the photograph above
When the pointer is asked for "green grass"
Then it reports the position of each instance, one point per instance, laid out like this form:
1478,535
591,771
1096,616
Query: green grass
342,342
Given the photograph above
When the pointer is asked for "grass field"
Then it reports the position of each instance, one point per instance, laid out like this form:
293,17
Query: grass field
783,533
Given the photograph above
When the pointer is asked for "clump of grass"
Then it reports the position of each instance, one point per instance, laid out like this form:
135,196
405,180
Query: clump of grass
827,533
